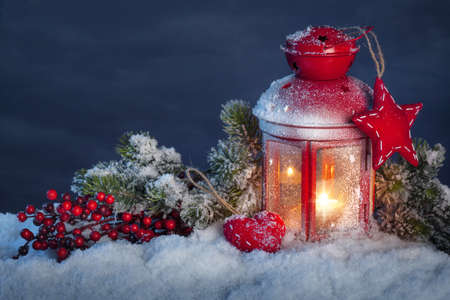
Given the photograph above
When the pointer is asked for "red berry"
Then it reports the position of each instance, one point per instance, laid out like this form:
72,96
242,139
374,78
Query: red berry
44,230
158,225
62,253
53,244
106,227
140,233
37,245
175,213
77,210
66,197
125,228
113,235
87,211
134,227
49,207
79,241
59,235
39,217
60,227
108,212
102,210
52,195
110,199
30,209
22,217
60,210
170,224
101,196
80,200
76,231
95,236
187,230
147,221
126,217
48,222
44,245
149,234
92,205
64,217
27,234
96,217
67,205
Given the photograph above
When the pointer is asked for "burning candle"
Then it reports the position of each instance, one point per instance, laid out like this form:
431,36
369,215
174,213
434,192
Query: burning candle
325,205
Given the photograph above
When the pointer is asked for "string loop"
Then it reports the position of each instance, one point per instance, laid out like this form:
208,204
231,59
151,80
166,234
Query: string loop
378,57
211,190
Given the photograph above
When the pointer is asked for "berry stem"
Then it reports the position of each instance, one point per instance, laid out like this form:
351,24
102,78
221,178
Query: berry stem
89,226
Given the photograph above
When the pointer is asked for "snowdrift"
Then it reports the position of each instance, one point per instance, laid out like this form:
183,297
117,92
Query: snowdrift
206,266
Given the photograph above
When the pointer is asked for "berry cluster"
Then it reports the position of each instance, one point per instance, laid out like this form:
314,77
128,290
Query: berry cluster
66,224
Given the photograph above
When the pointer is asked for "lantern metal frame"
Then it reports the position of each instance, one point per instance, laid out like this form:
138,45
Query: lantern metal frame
309,150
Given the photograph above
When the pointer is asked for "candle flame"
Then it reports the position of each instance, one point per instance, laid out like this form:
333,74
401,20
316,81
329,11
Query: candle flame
324,203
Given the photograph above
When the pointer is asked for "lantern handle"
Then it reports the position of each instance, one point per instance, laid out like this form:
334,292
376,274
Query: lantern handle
211,190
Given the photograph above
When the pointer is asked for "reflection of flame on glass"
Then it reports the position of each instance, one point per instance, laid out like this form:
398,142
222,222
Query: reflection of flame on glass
290,194
290,175
328,171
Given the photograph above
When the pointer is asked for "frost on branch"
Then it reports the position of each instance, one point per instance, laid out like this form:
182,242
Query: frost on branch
143,150
235,163
166,193
141,163
411,202
151,177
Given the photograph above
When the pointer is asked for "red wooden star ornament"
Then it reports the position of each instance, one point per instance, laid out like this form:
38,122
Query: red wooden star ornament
388,126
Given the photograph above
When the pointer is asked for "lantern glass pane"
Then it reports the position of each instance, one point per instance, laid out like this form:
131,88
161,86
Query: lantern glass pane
338,175
284,183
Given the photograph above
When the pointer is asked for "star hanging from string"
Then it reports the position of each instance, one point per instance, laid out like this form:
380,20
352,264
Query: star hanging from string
388,125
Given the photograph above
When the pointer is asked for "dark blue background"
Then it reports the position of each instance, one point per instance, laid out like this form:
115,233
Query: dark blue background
75,75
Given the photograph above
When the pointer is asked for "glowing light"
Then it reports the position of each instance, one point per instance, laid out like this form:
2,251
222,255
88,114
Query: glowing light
290,171
325,204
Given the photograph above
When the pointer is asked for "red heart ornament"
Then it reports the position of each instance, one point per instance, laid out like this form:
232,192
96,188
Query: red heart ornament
264,231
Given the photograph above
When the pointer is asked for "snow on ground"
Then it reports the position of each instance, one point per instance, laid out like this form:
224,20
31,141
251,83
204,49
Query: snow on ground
205,266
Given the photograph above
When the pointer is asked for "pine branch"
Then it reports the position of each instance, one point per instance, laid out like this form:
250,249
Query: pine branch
239,122
124,147
410,201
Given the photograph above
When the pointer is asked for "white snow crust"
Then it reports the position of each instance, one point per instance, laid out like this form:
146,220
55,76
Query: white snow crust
309,103
301,34
206,266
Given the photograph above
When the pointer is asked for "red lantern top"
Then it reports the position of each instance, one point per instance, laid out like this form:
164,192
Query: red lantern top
319,101
320,53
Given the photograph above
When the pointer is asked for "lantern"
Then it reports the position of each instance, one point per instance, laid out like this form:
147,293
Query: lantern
317,165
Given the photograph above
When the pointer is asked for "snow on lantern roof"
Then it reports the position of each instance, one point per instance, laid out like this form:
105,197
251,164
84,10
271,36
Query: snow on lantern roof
293,101
320,40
